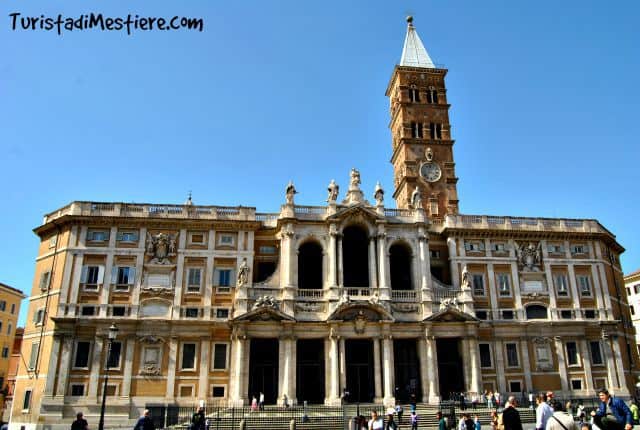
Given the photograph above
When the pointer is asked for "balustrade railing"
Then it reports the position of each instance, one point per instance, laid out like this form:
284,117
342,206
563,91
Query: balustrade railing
404,296
310,293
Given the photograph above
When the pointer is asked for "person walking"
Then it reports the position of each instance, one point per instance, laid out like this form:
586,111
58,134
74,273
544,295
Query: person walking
543,412
469,424
261,401
80,423
494,420
613,413
198,420
477,423
391,424
145,422
254,404
414,420
442,424
635,412
561,419
511,416
399,411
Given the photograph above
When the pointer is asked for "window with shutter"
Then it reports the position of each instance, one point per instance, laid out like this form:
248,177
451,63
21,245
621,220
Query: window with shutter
194,279
33,358
26,403
44,280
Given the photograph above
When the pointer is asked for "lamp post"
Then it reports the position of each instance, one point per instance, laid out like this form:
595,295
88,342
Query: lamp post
113,332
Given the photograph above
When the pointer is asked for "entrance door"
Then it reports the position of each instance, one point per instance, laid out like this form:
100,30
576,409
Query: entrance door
359,361
263,369
450,367
407,369
310,371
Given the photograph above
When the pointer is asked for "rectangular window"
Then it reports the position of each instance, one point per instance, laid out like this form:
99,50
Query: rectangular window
112,390
566,314
561,284
113,361
44,280
414,95
507,314
218,391
186,390
416,130
515,386
127,236
194,279
590,314
226,239
81,359
474,246
584,283
33,358
512,355
267,249
13,308
219,356
53,241
435,130
196,238
223,277
576,384
596,353
88,311
481,315
578,249
504,284
485,355
26,403
478,284
499,247
118,311
188,356
435,254
555,249
123,276
191,313
572,354
92,275
5,352
97,236
77,390
222,313
636,288
38,317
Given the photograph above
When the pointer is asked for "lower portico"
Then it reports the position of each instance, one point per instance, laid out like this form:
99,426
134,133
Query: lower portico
360,354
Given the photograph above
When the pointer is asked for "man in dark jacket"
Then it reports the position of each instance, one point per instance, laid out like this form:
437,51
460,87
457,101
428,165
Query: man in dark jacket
511,416
613,413
80,423
145,422
198,420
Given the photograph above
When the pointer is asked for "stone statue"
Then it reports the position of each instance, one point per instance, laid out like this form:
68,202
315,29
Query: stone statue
161,246
378,194
375,298
243,273
354,183
529,256
333,190
290,191
344,299
416,198
449,303
466,278
266,302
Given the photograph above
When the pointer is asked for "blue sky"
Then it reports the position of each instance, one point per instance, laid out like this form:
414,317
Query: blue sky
544,98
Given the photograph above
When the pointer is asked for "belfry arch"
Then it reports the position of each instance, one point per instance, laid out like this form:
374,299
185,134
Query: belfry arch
400,266
310,265
355,256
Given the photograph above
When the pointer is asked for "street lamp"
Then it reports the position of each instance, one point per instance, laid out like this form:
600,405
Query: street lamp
113,332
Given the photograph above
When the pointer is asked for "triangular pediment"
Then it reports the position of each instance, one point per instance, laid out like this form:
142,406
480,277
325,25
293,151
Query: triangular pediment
451,314
350,311
356,211
264,313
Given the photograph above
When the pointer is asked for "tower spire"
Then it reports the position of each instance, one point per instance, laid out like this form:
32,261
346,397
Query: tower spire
413,53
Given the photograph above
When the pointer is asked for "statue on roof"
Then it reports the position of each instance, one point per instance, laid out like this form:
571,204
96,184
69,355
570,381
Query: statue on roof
290,191
354,183
333,190
378,194
416,198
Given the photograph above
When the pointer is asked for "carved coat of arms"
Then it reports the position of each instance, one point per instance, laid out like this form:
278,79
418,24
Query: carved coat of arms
160,247
360,322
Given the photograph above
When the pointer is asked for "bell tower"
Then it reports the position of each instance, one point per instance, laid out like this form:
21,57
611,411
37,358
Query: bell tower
422,147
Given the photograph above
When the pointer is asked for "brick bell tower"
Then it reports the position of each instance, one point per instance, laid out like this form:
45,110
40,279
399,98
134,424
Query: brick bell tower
421,134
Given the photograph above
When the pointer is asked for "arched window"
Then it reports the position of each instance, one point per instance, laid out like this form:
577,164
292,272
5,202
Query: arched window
310,266
400,267
355,257
536,312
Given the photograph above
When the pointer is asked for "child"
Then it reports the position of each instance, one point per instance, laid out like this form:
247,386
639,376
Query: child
254,404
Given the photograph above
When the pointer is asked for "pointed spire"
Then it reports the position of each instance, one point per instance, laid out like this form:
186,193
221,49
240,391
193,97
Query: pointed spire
413,52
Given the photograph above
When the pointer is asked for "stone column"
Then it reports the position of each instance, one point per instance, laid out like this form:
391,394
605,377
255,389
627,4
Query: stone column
293,383
383,264
432,371
128,367
526,365
499,355
605,292
340,263
493,295
517,294
53,365
597,290
334,393
586,364
423,262
453,254
343,365
238,372
75,282
373,282
476,372
377,380
171,370
574,289
208,285
331,255
552,291
562,365
287,361
388,372
178,284
106,284
424,369
135,294
203,377
611,370
96,367
65,365
622,386
466,363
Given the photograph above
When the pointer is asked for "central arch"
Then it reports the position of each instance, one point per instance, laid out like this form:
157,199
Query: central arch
355,256
310,266
400,267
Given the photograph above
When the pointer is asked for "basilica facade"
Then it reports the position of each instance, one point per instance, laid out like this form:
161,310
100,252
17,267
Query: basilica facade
353,300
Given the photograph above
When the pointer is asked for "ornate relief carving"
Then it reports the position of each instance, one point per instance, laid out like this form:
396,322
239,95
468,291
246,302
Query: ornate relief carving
360,322
265,302
405,308
150,339
160,247
529,256
449,303
310,307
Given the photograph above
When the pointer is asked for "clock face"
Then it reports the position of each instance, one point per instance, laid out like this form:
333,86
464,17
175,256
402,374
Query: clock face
430,171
